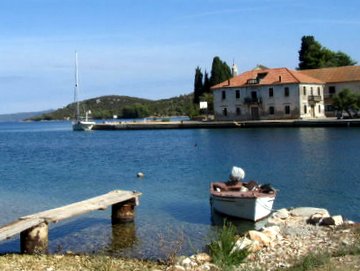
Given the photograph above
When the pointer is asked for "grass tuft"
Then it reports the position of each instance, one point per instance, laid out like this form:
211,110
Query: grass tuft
221,249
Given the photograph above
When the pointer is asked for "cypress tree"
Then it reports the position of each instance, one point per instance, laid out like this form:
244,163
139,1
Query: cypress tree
198,85
220,71
206,87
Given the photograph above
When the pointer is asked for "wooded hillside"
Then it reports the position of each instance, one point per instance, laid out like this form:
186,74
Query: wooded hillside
106,107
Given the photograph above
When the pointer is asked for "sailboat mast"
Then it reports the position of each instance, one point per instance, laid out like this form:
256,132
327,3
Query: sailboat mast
76,90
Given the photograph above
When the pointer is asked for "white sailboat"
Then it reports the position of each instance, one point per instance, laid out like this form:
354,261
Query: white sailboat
80,124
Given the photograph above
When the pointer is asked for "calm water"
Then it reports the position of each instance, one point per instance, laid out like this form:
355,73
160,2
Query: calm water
46,165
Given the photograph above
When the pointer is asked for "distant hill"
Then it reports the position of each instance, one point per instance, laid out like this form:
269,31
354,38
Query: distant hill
106,107
22,116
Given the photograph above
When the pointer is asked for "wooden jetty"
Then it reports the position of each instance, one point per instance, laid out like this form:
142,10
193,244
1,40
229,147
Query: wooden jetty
34,229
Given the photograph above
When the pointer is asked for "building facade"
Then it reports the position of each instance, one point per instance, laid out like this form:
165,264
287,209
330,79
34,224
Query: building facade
269,94
336,79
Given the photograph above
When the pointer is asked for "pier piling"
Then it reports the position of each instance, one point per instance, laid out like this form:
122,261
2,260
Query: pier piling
123,212
35,239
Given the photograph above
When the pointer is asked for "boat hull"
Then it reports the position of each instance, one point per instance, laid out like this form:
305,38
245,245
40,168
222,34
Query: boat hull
253,209
83,125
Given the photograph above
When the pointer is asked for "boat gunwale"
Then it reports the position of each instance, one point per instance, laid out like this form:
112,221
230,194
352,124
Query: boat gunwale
235,192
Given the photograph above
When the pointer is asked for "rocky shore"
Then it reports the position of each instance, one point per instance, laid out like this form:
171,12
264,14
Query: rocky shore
289,235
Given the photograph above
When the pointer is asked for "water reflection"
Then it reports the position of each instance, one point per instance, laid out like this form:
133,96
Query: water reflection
242,225
123,236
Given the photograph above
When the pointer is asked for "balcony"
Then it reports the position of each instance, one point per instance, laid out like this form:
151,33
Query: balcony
252,100
314,99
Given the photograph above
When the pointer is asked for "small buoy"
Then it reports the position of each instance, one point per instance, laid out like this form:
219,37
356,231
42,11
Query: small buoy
140,175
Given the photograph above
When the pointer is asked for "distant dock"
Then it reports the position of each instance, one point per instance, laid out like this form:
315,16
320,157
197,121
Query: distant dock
226,124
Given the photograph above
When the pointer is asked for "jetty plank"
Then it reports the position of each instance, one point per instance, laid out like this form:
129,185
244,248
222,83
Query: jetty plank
81,207
18,226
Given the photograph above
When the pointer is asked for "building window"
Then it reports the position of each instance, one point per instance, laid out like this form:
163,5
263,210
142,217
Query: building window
237,94
271,92
304,90
271,110
311,91
319,108
305,109
332,90
225,111
318,89
287,109
238,111
286,91
223,95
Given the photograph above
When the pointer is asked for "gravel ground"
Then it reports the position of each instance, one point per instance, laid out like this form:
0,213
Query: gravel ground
14,262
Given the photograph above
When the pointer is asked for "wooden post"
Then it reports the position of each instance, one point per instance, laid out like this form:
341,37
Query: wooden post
123,211
35,239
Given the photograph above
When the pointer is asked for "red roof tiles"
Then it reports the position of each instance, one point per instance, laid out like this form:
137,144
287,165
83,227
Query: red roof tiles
268,77
336,74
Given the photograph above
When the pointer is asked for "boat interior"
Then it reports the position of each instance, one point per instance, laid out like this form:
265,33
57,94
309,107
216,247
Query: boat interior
251,186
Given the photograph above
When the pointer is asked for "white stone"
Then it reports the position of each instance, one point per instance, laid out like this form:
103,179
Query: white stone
242,243
338,220
262,238
187,263
272,232
282,213
202,258
309,211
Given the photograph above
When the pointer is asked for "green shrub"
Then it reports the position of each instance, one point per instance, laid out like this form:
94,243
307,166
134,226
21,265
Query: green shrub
221,249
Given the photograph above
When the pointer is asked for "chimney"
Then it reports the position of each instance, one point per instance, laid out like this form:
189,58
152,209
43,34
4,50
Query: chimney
279,78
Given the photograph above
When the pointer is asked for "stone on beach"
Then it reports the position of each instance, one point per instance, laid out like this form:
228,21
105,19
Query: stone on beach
262,238
282,214
309,211
336,220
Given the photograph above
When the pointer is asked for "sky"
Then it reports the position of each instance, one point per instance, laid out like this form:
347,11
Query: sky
151,48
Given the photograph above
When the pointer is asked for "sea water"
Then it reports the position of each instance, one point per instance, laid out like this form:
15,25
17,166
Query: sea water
46,165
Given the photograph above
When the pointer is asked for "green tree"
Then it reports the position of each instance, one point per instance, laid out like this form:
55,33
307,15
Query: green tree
343,59
347,101
135,111
206,87
310,53
220,71
313,55
198,85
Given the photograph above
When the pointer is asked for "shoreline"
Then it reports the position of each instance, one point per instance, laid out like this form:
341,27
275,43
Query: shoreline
288,236
152,125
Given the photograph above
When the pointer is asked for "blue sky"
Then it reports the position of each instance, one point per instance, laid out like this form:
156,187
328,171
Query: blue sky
150,48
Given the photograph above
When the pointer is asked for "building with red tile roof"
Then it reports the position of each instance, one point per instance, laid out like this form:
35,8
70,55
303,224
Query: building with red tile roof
266,94
336,79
